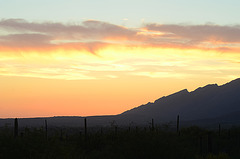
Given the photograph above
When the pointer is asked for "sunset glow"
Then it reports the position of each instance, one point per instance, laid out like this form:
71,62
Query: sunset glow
94,67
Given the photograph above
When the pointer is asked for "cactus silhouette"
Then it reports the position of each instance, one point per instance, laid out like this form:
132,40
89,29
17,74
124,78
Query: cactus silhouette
85,127
152,124
178,124
46,130
61,134
16,127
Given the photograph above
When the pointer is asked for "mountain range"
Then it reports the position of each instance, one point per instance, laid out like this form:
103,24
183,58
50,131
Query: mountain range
210,101
205,105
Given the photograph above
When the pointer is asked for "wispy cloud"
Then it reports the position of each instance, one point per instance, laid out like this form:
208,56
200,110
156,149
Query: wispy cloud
209,36
25,40
20,33
58,33
98,50
199,33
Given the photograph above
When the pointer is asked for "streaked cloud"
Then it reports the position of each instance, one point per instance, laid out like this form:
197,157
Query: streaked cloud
21,33
25,40
209,36
58,33
199,33
100,50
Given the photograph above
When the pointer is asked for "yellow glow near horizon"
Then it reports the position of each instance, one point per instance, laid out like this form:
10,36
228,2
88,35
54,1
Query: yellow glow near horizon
114,79
112,61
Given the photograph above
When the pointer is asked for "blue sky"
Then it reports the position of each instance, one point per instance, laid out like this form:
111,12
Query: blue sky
124,12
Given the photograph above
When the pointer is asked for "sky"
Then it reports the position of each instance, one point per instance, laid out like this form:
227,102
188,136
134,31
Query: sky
81,58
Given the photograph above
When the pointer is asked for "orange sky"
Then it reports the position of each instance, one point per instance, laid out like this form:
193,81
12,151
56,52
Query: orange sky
98,68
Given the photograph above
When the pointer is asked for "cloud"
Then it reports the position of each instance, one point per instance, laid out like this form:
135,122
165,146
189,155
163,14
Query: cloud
92,35
88,35
90,29
25,40
161,75
99,50
199,33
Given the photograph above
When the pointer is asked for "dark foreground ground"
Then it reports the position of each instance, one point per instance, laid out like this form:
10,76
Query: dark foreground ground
120,143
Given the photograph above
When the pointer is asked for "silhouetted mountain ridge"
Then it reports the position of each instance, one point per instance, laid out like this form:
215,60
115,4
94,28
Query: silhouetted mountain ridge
205,102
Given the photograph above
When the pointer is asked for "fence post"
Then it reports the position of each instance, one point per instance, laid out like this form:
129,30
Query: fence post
16,128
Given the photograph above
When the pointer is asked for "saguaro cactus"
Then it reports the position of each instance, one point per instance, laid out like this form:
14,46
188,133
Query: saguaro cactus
136,129
178,124
61,134
85,127
46,130
116,130
152,124
16,127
